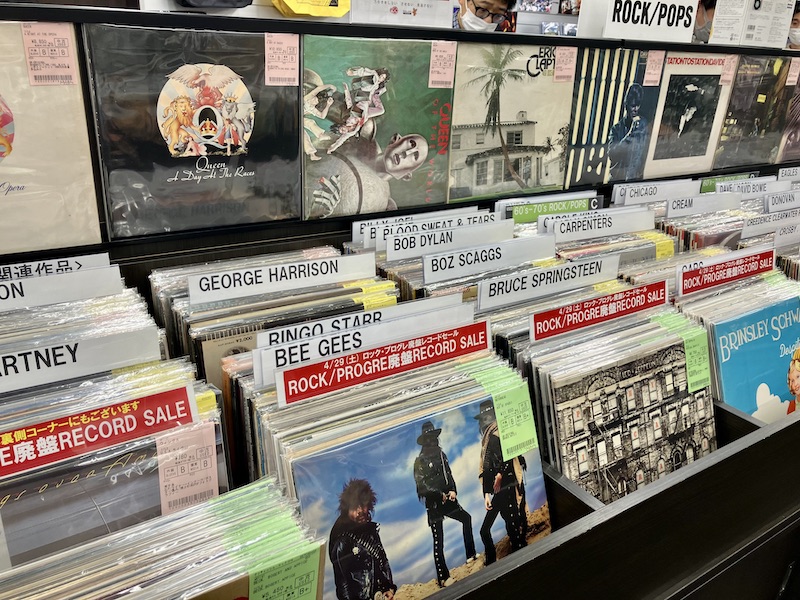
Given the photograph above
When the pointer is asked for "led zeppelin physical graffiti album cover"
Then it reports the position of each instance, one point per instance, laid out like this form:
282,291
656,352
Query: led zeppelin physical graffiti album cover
190,134
47,192
753,126
612,117
516,145
691,109
376,124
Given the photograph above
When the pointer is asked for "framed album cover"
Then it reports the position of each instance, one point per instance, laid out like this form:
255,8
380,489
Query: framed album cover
190,134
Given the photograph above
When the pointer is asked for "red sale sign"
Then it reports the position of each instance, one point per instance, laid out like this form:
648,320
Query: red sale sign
742,266
40,444
549,323
300,383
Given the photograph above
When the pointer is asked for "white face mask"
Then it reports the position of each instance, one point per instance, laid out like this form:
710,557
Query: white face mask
794,37
702,34
471,22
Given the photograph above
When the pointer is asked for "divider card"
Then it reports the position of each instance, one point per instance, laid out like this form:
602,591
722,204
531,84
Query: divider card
190,134
341,372
47,192
756,116
612,117
376,128
692,102
510,121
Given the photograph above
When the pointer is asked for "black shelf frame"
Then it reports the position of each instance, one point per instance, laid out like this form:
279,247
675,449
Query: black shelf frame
724,526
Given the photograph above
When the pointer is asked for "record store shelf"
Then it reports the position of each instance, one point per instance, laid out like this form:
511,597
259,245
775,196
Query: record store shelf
725,526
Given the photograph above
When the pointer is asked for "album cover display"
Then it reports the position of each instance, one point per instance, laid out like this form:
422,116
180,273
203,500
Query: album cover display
612,116
70,503
402,474
47,190
757,359
190,135
510,121
692,103
376,122
623,425
756,117
790,141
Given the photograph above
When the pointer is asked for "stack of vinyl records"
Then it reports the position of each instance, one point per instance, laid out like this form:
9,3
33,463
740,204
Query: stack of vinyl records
170,286
623,403
628,232
460,271
789,262
248,543
438,451
251,375
214,326
83,459
664,269
754,328
220,310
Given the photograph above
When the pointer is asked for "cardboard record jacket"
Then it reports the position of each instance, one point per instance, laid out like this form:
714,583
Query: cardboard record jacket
47,191
190,136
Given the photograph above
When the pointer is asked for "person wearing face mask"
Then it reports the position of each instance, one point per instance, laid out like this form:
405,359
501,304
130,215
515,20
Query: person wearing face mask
794,31
703,21
481,15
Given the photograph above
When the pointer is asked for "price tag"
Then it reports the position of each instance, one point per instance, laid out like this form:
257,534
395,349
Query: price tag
566,63
281,59
50,53
443,65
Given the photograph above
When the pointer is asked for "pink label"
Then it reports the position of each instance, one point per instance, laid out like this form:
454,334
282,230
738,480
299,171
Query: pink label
566,62
50,53
443,65
729,70
652,72
281,59
794,72
187,467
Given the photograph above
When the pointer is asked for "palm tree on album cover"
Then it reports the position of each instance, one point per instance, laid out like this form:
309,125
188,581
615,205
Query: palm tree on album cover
492,77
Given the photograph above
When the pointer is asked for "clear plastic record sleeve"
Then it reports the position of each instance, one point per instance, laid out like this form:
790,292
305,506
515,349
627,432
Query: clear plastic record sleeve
320,476
190,134
47,191
67,504
526,150
754,123
376,119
